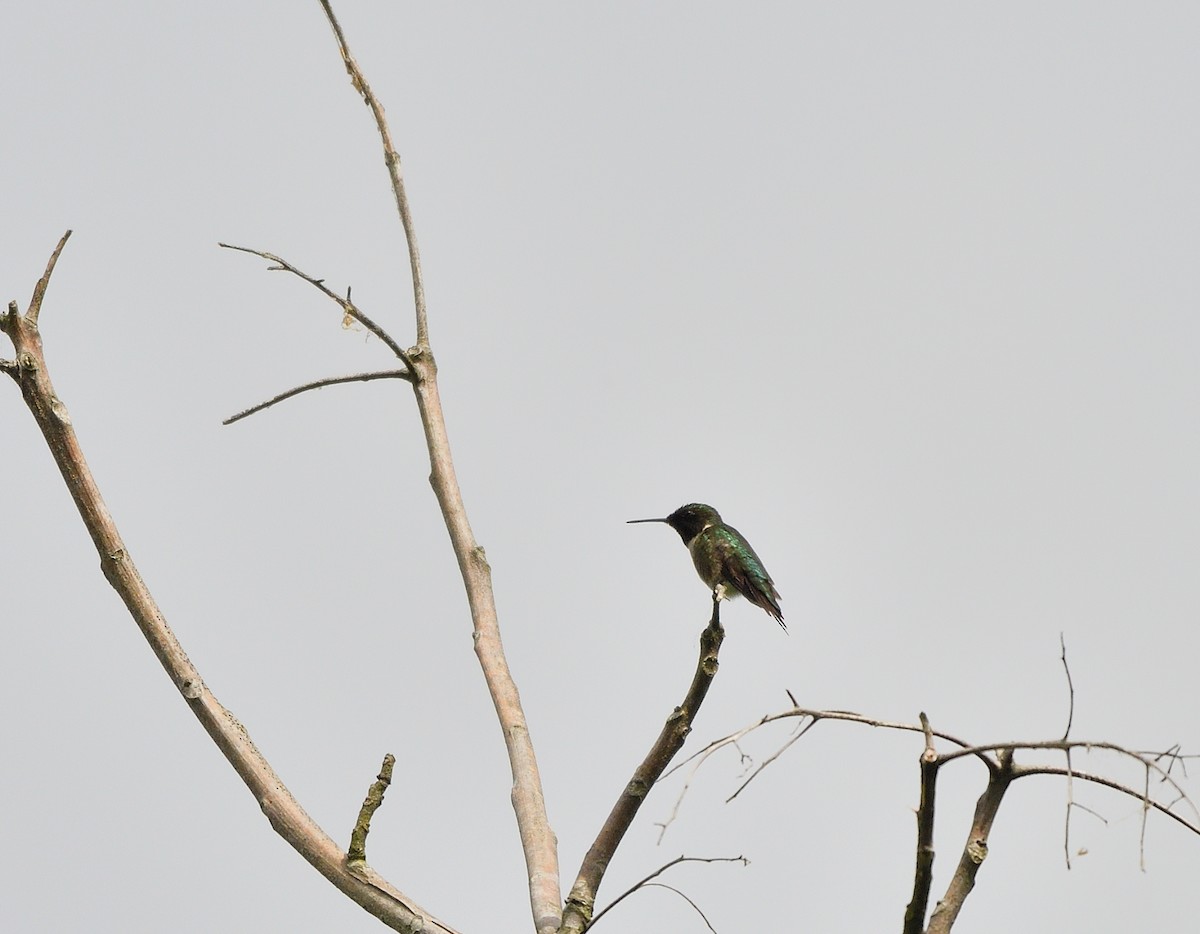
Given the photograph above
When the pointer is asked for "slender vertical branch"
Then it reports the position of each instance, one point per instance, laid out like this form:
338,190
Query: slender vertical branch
537,839
582,899
914,915
392,159
1062,642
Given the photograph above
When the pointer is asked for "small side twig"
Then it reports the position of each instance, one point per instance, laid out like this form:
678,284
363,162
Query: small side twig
347,306
809,718
658,872
914,914
319,384
797,735
1062,642
695,907
358,836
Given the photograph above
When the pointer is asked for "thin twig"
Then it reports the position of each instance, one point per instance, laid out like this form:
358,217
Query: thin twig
658,872
796,735
392,159
1057,744
39,290
1062,642
1092,778
319,384
698,758
1145,813
695,907
358,836
347,306
1070,687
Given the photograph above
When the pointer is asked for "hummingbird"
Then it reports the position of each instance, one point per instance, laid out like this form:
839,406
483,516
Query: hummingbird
723,558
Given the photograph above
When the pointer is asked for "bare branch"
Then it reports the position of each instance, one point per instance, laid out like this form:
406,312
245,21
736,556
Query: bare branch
816,716
348,307
581,901
1070,687
914,914
658,872
39,290
1164,809
1148,762
538,842
797,734
392,159
358,836
319,384
695,907
976,849
1062,642
286,815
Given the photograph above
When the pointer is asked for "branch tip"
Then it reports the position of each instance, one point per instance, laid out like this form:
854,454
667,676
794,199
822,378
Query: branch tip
39,290
362,827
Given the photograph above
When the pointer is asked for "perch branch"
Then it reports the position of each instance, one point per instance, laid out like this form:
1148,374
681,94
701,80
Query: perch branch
285,814
537,839
318,384
582,899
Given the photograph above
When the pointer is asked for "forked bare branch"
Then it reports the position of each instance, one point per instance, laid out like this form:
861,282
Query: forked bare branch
286,815
1002,772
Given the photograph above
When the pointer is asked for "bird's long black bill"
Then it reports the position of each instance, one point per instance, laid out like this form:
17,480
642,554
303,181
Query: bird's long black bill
636,521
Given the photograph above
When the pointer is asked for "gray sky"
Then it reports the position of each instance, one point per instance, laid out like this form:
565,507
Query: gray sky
908,292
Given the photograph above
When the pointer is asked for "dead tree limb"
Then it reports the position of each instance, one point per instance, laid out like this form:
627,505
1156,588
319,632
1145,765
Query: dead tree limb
286,815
